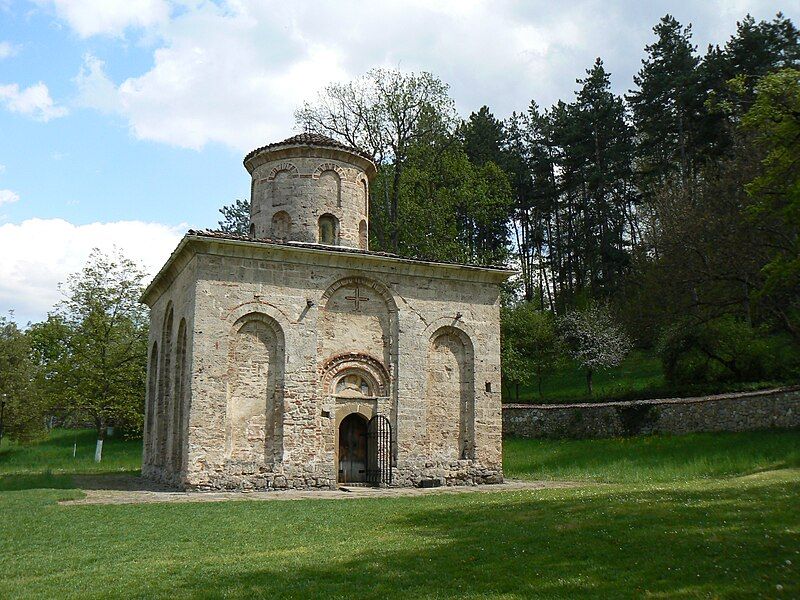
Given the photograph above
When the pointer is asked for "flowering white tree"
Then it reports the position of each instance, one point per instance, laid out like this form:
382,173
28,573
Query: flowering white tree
594,340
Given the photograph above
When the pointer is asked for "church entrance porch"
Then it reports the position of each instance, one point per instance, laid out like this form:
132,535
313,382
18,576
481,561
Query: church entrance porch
353,449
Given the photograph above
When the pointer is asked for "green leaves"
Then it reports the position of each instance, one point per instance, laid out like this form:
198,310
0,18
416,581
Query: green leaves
93,347
23,417
236,217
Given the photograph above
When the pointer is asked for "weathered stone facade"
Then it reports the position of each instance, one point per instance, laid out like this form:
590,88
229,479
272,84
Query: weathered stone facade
768,409
271,353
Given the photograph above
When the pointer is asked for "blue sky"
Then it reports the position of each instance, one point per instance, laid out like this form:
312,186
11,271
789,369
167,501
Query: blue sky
124,122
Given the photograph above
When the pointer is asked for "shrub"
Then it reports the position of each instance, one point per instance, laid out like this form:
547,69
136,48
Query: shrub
724,350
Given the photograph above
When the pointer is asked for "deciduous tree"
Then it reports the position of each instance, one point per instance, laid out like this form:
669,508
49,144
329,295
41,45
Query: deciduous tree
594,339
101,372
386,112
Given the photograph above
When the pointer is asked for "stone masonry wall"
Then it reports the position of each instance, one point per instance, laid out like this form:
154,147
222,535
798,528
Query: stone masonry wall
290,194
779,408
165,441
300,293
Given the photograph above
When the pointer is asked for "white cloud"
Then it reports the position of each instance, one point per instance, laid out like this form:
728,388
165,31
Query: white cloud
108,17
33,101
38,254
229,74
95,89
233,71
7,196
2,168
7,49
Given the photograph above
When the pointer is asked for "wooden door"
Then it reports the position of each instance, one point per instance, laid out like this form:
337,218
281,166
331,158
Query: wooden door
353,449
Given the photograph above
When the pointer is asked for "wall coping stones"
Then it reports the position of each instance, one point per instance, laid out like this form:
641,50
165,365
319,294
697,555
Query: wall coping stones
657,401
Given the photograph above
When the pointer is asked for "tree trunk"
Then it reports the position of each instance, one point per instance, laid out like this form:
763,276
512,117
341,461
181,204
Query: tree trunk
589,381
101,436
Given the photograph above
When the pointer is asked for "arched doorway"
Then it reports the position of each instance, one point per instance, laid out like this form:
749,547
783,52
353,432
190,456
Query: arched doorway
353,449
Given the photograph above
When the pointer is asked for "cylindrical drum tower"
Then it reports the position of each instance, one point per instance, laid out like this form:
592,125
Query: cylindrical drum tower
310,188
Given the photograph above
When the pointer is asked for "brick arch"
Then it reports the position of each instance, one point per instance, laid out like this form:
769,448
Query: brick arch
284,166
328,166
257,306
363,183
152,399
179,409
434,327
367,282
365,364
165,382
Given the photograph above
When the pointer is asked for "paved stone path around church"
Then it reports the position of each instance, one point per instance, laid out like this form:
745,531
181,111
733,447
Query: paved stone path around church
125,489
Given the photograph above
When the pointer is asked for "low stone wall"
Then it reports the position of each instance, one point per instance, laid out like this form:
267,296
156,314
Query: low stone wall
767,409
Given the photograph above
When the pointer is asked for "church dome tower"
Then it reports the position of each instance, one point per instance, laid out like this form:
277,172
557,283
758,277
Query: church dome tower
310,188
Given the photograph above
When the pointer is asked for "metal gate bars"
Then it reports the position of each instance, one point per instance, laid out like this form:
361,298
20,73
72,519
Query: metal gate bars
379,450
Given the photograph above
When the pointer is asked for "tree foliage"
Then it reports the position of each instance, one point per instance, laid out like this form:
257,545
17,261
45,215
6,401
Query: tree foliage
775,119
25,408
235,217
594,339
94,345
387,113
530,344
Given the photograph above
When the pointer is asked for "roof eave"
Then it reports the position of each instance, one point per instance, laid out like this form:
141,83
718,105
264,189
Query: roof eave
181,256
274,153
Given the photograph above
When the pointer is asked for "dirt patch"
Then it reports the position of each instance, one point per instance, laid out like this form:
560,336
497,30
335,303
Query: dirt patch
125,489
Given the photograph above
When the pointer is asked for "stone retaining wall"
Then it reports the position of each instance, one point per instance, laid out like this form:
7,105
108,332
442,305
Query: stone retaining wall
767,409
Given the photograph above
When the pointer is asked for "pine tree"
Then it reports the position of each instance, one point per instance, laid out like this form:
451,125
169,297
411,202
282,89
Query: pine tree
483,137
667,107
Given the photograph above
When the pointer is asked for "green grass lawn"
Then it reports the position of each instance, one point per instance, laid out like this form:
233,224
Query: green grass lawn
640,371
640,375
50,463
703,516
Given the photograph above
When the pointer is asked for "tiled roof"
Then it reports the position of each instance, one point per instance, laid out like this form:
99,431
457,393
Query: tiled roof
309,139
223,235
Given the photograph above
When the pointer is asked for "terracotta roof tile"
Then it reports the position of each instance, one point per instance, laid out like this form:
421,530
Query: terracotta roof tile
223,235
309,139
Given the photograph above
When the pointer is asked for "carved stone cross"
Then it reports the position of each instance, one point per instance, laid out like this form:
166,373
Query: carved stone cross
357,298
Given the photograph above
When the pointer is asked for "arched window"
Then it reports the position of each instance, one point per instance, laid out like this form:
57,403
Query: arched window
330,188
152,399
160,440
328,230
179,402
281,225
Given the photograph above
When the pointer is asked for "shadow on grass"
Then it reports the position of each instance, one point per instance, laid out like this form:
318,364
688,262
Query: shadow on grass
110,480
35,481
679,543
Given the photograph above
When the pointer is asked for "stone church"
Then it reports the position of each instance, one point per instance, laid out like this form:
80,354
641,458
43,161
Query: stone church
294,357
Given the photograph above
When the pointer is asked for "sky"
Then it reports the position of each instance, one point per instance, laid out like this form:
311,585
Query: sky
124,122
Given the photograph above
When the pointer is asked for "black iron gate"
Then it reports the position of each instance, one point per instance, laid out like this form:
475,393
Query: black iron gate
379,450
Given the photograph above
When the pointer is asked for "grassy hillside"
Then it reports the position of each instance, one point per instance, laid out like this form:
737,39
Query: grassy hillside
639,376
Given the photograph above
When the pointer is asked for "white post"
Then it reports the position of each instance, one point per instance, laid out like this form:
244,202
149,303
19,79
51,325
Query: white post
98,451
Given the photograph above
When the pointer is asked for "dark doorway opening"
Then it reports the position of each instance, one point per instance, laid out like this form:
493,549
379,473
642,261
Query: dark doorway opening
353,449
